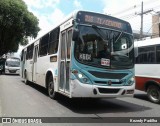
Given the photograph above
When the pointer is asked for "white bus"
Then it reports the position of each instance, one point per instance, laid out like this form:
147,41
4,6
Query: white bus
12,65
71,60
147,68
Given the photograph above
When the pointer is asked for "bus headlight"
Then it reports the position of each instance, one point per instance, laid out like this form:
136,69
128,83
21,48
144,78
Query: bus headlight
131,81
81,77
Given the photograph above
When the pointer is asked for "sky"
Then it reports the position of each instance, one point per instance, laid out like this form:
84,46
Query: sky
52,12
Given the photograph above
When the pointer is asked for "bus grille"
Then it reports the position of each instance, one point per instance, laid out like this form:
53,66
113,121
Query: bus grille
105,82
12,71
106,90
108,75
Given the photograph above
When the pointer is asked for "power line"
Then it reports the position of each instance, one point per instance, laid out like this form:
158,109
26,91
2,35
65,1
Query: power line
132,15
130,8
128,16
148,10
133,7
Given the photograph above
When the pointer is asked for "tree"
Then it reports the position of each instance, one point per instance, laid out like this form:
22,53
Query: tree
16,25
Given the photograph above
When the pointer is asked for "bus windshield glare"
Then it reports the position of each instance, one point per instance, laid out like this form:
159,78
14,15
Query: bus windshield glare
13,63
104,48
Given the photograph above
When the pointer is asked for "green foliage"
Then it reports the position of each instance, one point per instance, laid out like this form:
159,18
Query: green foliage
16,24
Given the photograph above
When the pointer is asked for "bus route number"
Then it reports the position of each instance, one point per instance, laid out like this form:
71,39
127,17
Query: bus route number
86,57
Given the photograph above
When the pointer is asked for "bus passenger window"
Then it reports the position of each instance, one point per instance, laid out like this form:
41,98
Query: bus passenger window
63,46
29,52
44,45
22,55
69,39
146,55
53,41
158,54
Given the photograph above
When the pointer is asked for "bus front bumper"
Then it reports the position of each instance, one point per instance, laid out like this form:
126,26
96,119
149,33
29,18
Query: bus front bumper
79,89
12,71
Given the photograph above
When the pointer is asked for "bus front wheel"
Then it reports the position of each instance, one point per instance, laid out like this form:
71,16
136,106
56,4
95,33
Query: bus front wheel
51,91
153,93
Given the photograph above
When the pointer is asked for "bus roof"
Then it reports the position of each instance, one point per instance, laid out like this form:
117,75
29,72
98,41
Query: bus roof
106,20
147,42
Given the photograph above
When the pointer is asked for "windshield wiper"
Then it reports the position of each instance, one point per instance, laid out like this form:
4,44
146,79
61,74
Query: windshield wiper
100,34
118,37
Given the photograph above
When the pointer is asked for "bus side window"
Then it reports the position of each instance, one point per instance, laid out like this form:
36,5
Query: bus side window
63,45
22,55
53,41
158,54
30,52
136,52
146,55
44,45
69,39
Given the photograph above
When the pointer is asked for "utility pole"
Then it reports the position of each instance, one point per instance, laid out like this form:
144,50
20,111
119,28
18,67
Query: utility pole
141,30
141,14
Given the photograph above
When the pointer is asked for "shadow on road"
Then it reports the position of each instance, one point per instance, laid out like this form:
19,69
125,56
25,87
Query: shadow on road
92,106
38,88
99,106
142,97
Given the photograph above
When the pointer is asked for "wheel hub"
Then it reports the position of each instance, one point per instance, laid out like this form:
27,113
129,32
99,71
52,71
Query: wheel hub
154,94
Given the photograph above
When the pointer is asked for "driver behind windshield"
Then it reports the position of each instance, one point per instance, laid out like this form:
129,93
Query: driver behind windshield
104,53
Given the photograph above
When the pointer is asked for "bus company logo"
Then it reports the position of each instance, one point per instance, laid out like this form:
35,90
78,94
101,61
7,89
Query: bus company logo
6,120
109,82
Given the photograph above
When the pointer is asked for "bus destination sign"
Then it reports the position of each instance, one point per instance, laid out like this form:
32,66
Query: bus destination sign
102,21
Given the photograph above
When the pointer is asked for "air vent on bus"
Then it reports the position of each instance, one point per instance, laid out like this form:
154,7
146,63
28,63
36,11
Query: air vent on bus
109,91
105,82
108,75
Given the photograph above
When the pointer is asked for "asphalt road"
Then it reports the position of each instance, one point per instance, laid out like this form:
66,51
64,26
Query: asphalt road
20,100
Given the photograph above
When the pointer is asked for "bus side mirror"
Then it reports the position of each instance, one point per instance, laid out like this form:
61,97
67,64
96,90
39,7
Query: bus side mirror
135,51
75,35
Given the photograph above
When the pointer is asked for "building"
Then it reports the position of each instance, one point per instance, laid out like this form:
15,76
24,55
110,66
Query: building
156,25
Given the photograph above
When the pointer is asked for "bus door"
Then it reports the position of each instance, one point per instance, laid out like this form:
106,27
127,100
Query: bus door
34,68
23,58
64,65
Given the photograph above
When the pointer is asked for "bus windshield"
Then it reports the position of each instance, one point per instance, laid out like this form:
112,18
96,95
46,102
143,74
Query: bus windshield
104,48
13,62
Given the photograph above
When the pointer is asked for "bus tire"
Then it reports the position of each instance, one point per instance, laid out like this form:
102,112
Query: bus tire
153,93
25,78
51,92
